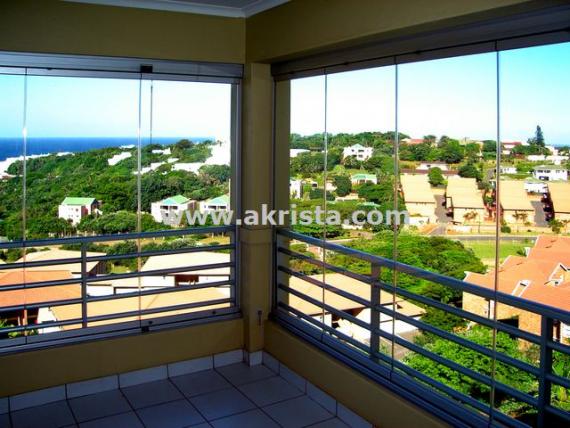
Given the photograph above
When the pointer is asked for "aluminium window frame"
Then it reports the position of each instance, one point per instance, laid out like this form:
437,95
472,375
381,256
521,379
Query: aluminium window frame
55,65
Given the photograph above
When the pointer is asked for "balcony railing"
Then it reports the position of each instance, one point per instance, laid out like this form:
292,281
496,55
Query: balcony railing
371,358
134,310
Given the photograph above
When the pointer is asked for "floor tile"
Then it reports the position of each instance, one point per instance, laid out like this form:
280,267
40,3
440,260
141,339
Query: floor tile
221,403
47,416
239,374
330,423
152,393
124,420
298,412
269,391
204,425
252,419
5,421
99,405
176,414
200,383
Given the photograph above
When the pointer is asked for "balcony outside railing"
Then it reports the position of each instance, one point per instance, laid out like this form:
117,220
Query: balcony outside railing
371,358
131,317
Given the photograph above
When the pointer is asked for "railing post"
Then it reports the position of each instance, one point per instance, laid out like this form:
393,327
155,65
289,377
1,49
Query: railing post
375,272
84,284
544,385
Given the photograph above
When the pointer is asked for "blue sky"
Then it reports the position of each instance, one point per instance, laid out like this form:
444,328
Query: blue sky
455,96
86,107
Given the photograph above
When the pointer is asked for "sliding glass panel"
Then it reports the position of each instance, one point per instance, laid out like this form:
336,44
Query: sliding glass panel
447,114
185,178
309,188
534,195
361,152
12,88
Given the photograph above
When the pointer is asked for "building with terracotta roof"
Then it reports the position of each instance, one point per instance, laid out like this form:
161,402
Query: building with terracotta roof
464,201
542,276
12,300
92,267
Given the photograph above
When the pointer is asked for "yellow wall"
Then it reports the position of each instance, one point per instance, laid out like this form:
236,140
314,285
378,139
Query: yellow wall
28,371
304,26
50,26
368,399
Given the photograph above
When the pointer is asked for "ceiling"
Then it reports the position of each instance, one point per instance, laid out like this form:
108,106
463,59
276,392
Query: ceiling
229,8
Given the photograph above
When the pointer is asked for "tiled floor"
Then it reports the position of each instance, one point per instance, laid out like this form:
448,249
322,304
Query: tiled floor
226,397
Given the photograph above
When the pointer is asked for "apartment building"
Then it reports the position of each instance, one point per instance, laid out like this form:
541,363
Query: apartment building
74,209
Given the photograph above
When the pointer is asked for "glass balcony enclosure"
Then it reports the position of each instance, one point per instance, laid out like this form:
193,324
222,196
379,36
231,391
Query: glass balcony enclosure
101,164
466,303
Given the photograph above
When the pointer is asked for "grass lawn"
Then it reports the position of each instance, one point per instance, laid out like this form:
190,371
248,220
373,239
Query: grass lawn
485,250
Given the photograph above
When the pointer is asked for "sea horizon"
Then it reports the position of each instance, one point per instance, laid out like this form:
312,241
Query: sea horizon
12,147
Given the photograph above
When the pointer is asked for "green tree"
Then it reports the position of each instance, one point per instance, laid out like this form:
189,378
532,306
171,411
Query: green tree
451,151
343,185
539,136
435,176
469,170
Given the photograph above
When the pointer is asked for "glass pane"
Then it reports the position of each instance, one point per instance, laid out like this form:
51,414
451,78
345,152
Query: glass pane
361,120
11,201
307,184
447,113
534,192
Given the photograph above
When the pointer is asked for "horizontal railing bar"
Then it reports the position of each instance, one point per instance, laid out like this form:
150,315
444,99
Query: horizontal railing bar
422,299
116,237
117,315
110,257
559,380
39,305
560,347
426,353
538,308
421,325
103,278
557,412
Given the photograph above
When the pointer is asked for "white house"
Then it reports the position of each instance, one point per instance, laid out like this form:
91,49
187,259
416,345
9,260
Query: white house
532,185
426,166
360,152
550,172
362,178
162,151
74,209
171,208
221,203
118,158
556,159
507,169
293,153
296,188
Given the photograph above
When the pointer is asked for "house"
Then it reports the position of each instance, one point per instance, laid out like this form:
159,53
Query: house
419,199
293,153
360,152
296,188
532,185
118,158
171,210
221,203
362,178
92,268
426,166
166,151
29,296
559,197
464,201
550,172
507,169
508,146
74,209
556,159
413,141
542,276
357,310
188,166
515,203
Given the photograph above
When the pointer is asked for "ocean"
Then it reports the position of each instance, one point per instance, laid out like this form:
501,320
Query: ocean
13,147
